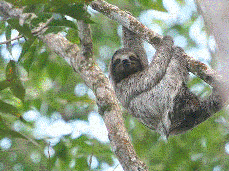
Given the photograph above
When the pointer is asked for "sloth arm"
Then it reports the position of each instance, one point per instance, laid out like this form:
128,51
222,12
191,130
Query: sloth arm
152,75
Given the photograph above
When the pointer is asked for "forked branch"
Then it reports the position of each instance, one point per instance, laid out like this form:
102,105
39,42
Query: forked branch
125,19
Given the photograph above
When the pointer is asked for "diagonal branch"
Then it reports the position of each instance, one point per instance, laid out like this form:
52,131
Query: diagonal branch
125,19
83,63
106,99
36,32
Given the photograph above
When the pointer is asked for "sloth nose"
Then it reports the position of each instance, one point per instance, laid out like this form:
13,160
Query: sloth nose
126,62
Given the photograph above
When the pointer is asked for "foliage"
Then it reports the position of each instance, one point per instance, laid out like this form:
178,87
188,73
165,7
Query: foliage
41,81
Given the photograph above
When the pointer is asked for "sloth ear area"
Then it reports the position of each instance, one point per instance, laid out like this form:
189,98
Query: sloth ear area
116,62
133,58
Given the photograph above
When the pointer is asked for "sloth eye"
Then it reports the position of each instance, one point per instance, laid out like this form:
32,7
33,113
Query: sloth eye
117,61
132,58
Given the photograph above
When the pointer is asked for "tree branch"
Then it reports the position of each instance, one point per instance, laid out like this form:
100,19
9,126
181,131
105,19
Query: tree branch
125,19
37,31
84,64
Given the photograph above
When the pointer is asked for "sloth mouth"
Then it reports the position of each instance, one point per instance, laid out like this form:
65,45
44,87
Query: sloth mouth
126,65
126,62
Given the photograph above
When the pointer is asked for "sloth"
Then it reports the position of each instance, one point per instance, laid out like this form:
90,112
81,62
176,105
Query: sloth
157,94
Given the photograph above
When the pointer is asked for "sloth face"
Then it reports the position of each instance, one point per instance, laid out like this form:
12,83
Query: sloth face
124,63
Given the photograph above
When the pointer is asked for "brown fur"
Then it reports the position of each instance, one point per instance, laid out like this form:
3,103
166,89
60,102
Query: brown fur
157,94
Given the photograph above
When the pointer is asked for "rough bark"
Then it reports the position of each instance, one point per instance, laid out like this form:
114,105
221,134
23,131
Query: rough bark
83,63
128,21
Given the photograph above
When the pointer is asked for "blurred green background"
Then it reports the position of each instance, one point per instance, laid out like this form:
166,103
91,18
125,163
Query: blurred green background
48,117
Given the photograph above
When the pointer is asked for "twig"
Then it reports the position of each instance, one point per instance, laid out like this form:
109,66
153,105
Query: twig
116,167
90,161
49,161
125,19
35,32
38,30
93,76
7,41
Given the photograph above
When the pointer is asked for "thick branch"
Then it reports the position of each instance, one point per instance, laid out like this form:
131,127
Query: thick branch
125,19
106,99
84,64
85,39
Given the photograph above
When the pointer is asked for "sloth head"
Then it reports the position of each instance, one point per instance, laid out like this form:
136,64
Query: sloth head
123,64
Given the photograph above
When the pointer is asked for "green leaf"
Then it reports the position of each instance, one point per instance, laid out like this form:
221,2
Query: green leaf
72,36
76,11
26,48
8,108
4,84
24,30
40,62
5,131
34,8
29,53
8,37
156,5
54,68
62,152
11,71
2,26
41,18
18,90
81,163
26,2
13,79
54,30
63,22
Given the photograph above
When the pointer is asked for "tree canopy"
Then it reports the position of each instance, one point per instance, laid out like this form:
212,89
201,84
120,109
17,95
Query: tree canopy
49,119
